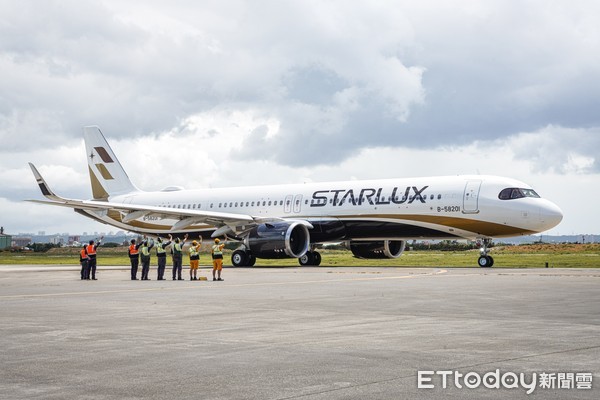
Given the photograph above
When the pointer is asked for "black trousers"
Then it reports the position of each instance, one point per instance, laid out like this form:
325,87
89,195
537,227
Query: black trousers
145,267
134,266
92,267
85,273
162,262
177,260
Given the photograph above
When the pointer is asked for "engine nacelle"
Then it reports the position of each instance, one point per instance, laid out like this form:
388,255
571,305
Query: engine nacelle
377,248
278,240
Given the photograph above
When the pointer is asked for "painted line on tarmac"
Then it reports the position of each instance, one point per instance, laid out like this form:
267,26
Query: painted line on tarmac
196,286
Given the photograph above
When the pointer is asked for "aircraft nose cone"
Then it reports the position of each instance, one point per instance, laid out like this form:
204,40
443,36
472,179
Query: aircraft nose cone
550,215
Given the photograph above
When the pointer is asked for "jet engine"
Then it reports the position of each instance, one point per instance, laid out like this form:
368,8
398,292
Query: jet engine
377,248
278,240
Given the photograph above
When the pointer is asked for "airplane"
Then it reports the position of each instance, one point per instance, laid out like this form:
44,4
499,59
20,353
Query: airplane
374,218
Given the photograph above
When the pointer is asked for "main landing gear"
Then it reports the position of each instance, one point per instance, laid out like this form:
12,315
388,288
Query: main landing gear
485,261
243,258
310,258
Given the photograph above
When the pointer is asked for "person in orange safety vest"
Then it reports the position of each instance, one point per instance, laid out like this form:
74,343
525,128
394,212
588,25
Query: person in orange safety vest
83,260
134,258
90,250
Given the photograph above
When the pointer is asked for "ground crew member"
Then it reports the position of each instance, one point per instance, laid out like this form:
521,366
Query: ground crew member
177,251
147,244
217,256
161,256
90,250
83,259
134,258
194,259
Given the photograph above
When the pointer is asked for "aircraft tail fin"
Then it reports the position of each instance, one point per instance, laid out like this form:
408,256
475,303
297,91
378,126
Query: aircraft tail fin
107,175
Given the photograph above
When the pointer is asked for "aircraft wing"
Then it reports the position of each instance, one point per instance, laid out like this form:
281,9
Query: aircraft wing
227,223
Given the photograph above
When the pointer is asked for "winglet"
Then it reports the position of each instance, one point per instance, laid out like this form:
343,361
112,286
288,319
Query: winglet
46,191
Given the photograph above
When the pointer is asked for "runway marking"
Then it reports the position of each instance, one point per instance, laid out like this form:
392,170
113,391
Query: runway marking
198,286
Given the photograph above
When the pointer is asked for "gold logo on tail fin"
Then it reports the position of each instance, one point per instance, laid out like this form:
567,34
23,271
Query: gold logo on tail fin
105,173
103,154
98,190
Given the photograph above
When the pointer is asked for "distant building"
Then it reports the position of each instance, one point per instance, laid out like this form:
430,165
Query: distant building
21,241
5,240
59,240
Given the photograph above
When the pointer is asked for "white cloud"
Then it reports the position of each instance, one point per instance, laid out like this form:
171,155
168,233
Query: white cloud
558,149
289,91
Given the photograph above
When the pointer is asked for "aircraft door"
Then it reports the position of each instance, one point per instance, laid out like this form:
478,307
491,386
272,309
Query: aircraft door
287,205
297,203
471,197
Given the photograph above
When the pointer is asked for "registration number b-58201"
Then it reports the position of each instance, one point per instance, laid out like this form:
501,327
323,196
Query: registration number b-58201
448,209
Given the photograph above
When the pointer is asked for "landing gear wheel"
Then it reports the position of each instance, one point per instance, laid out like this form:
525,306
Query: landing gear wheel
485,261
307,259
251,260
310,258
239,258
317,258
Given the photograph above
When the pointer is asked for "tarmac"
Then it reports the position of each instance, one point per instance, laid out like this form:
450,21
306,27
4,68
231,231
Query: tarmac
301,333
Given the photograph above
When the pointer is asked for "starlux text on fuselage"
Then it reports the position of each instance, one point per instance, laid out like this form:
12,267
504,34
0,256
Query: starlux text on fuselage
367,195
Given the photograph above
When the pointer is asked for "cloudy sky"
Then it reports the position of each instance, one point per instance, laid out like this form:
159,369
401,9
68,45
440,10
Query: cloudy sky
222,93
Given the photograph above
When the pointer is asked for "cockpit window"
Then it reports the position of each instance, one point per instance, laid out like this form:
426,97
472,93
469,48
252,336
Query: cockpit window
516,193
530,193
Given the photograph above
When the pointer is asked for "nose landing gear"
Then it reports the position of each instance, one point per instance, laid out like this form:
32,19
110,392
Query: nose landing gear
485,261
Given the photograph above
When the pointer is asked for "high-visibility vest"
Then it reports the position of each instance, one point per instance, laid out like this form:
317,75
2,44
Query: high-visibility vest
91,250
132,250
159,248
83,255
177,248
145,251
193,251
216,249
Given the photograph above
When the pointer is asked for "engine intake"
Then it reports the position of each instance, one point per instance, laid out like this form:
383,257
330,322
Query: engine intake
279,240
377,249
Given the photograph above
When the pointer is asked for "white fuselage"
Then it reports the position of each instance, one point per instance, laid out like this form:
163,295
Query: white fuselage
408,208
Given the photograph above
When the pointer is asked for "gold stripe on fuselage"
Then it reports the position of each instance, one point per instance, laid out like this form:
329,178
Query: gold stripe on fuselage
483,228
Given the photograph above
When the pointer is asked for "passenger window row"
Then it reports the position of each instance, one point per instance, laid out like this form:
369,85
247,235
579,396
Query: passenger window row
263,203
274,203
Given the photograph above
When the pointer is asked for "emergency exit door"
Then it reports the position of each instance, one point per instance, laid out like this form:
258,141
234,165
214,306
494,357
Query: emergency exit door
292,203
297,203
